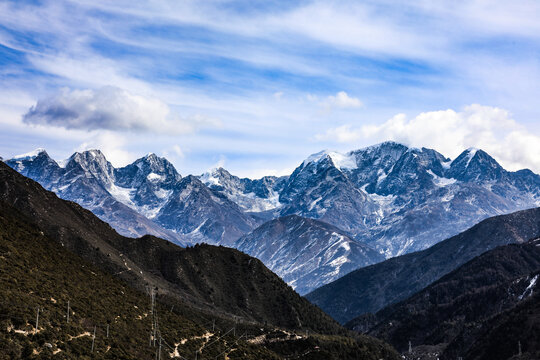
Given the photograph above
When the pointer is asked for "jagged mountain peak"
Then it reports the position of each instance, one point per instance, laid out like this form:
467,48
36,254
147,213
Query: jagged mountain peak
92,163
414,169
89,160
192,179
475,164
36,164
151,155
215,176
257,195
149,171
385,145
153,160
89,154
156,164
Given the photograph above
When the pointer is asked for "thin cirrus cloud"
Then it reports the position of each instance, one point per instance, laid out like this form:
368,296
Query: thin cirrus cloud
448,131
111,108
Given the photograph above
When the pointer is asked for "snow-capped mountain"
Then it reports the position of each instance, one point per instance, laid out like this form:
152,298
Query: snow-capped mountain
306,253
147,184
394,198
145,197
400,199
319,189
88,179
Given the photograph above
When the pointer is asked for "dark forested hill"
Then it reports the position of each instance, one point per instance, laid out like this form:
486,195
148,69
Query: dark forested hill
452,309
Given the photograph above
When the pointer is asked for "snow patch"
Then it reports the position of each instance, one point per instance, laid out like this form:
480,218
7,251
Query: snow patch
341,161
441,181
209,179
122,195
470,154
153,177
446,164
163,194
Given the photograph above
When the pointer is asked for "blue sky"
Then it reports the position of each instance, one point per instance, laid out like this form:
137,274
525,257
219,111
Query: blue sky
257,86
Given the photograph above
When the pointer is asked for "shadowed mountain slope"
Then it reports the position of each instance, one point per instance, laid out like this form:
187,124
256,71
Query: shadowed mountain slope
369,289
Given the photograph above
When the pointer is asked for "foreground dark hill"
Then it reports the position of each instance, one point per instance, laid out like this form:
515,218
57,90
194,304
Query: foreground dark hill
37,273
451,310
369,289
243,287
201,283
306,253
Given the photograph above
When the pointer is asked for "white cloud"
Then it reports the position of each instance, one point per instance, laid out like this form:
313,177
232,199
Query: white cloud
341,134
342,100
489,128
111,108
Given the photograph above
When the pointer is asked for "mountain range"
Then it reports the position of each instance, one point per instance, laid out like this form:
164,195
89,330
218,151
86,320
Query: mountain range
389,198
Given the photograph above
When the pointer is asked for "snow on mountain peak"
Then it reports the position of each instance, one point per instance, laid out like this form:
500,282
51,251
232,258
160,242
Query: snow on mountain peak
382,145
93,153
29,155
211,177
341,161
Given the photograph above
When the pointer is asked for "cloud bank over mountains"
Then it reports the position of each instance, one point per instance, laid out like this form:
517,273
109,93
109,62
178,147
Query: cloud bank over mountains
489,128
